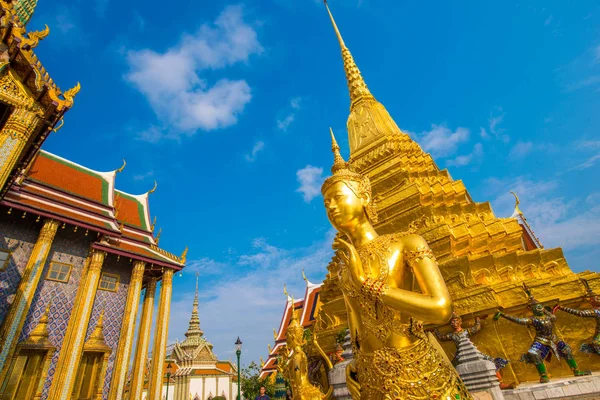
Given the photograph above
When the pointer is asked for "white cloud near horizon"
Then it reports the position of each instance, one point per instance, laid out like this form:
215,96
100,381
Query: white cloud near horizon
474,157
310,178
248,304
173,83
558,222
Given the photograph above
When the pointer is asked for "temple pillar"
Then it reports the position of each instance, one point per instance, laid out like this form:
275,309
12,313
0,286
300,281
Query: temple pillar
119,374
13,324
160,337
141,349
14,136
72,347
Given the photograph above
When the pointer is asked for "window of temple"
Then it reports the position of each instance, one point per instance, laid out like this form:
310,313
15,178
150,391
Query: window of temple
86,383
5,111
25,376
109,282
4,259
59,272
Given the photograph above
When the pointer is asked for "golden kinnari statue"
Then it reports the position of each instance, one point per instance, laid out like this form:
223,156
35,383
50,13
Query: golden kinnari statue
389,283
296,366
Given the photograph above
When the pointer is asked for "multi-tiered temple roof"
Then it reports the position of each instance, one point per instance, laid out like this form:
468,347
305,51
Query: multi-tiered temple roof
76,195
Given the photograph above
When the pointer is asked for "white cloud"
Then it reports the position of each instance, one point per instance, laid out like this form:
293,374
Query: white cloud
284,123
473,157
441,141
143,177
483,133
310,179
257,148
590,162
249,304
557,222
172,81
520,149
496,118
548,20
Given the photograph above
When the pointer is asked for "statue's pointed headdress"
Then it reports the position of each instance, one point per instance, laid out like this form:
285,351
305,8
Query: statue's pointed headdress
588,289
341,171
455,316
532,300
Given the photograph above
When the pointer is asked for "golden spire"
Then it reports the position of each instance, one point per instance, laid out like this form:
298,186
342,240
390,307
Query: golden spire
356,84
194,326
368,119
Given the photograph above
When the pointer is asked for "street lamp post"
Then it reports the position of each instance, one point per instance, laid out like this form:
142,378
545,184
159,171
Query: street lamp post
238,352
169,368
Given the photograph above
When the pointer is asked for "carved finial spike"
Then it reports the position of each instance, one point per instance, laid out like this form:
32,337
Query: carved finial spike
154,188
285,291
158,236
517,202
304,276
338,161
183,255
274,334
69,95
153,224
123,166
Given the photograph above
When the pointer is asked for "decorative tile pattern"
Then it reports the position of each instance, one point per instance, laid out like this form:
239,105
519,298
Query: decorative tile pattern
69,248
113,304
19,238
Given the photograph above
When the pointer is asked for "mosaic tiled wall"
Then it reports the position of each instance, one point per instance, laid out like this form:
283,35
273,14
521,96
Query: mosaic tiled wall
113,304
17,235
70,248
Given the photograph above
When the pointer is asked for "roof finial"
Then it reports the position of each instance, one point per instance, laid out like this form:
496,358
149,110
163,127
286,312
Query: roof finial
122,167
183,255
154,188
356,84
197,275
517,202
157,238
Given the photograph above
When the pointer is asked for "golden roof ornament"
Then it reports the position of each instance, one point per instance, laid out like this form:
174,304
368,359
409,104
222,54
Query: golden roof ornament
69,95
183,255
40,332
154,188
122,166
34,37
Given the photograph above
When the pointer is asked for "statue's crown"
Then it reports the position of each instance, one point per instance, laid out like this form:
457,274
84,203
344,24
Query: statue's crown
341,171
455,316
532,300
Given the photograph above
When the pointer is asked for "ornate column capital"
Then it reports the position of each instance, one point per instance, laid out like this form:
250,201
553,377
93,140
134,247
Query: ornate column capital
96,260
167,276
138,270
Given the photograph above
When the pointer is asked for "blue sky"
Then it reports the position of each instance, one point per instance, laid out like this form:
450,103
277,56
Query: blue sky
227,106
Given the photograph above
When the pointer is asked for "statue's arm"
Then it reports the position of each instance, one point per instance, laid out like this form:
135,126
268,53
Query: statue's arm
475,328
442,337
434,303
579,313
517,320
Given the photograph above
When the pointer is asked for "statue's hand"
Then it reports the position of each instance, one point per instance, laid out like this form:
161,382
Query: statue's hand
350,257
352,384
498,315
556,307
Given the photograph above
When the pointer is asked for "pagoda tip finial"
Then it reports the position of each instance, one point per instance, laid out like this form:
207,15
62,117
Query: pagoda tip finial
197,275
304,276
285,291
154,188
335,28
122,166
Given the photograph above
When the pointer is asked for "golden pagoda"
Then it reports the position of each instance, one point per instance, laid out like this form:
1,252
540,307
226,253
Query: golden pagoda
484,259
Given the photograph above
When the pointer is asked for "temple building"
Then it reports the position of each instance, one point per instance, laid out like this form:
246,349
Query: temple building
76,253
484,258
195,372
306,309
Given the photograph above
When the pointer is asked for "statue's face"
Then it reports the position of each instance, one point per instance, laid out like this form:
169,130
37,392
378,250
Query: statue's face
456,323
538,309
344,208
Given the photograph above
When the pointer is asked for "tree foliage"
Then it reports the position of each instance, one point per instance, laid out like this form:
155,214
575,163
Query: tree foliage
251,382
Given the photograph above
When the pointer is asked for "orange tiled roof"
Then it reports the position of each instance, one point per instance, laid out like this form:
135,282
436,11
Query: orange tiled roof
132,210
72,178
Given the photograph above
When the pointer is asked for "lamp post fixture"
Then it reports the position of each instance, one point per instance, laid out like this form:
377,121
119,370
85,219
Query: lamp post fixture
238,353
169,368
